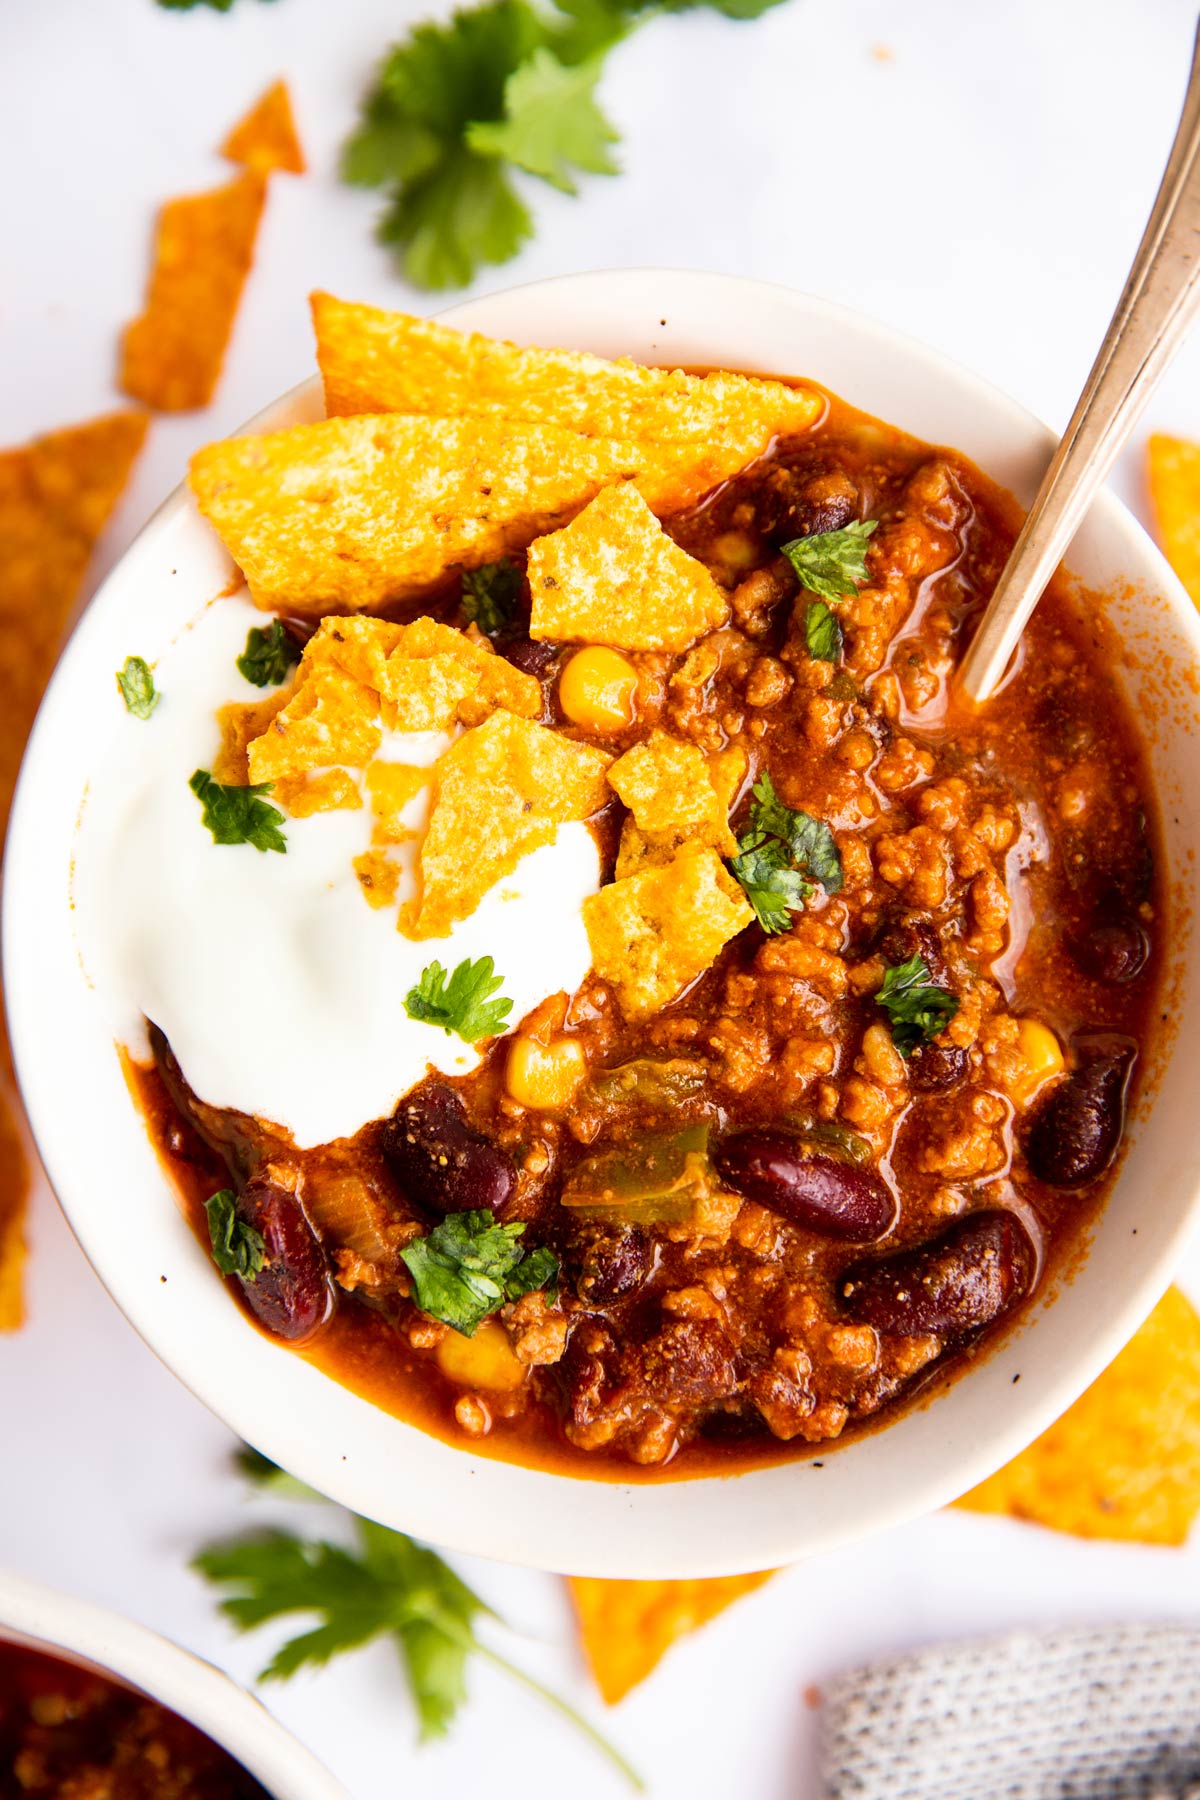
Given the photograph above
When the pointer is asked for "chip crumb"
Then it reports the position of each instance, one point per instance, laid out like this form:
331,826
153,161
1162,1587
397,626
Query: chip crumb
171,356
614,577
627,1627
500,791
379,877
265,139
655,931
1124,1461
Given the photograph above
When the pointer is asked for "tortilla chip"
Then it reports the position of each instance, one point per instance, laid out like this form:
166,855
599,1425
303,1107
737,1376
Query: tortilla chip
349,513
666,784
653,932
499,792
241,722
204,244
374,361
56,494
266,139
333,790
1174,467
627,1627
392,787
1124,1461
329,719
379,877
613,576
638,847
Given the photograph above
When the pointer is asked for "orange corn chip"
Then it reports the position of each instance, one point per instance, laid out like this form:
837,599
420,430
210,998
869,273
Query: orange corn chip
1174,467
378,876
266,139
627,1627
351,512
55,496
204,244
1124,1461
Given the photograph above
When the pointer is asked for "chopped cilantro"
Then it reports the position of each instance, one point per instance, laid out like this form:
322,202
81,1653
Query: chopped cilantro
781,854
917,1009
137,687
382,1585
237,1249
461,1002
237,815
822,633
489,595
830,564
457,106
469,1265
268,655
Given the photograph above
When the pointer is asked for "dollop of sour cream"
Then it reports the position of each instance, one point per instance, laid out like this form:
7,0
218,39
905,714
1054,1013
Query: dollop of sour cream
280,989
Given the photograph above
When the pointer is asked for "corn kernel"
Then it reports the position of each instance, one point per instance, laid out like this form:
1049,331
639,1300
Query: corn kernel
1042,1054
483,1361
545,1077
596,689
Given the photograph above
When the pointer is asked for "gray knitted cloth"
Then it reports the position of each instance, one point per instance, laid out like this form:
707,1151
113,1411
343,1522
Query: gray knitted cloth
1091,1714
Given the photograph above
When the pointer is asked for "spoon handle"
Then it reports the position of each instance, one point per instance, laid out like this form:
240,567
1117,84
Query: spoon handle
1160,301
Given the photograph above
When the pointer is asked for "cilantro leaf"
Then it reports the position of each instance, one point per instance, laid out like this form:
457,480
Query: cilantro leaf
237,1249
490,594
782,852
830,564
386,1586
137,687
236,815
462,1002
822,633
268,655
469,1265
462,214
552,123
917,1009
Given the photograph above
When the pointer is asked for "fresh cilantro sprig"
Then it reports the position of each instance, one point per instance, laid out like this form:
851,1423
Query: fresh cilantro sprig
458,108
469,1265
137,687
916,1007
460,1001
386,1586
223,6
490,594
781,855
237,1248
237,815
831,564
268,655
822,632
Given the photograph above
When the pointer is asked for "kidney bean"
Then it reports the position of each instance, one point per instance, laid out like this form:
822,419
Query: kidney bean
606,1262
1077,1128
805,500
524,653
908,937
290,1295
953,1285
441,1163
817,1192
1113,950
932,1068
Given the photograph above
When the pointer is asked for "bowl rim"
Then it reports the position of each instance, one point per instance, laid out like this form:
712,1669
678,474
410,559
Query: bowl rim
43,1618
516,1540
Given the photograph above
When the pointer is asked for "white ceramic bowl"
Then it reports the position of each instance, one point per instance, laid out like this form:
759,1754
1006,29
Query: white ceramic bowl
100,1162
39,1618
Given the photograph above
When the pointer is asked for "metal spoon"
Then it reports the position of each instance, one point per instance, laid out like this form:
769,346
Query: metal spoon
1161,300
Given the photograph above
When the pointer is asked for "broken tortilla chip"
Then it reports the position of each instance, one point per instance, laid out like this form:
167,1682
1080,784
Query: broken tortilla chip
265,139
499,792
171,356
1124,1461
56,495
725,772
378,876
627,1627
653,932
667,785
373,361
330,718
1174,467
348,513
613,576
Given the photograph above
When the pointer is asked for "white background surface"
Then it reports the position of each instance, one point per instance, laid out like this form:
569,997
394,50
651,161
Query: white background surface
982,185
